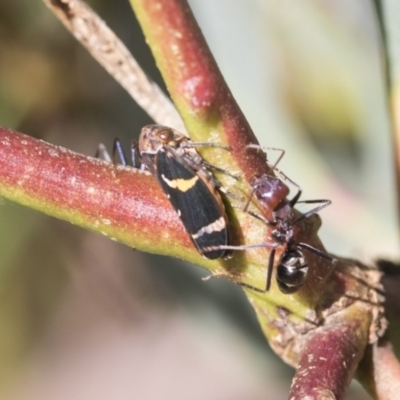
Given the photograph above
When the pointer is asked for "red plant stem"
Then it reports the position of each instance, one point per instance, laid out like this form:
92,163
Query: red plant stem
122,203
195,82
330,357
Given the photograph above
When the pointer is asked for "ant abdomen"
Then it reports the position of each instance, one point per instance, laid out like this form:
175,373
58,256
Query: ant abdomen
292,271
270,191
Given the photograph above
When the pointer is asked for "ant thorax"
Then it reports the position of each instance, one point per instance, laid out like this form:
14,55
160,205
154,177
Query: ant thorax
283,233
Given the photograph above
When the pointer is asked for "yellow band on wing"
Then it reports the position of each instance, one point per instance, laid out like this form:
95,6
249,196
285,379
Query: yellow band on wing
181,184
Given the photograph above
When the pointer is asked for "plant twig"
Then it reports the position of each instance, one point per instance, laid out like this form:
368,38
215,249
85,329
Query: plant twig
331,356
101,42
196,84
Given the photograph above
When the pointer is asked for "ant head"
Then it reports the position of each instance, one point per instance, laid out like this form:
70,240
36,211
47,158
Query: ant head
292,271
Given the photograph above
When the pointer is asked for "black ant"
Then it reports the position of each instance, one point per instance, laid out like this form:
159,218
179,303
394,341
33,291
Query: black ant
292,267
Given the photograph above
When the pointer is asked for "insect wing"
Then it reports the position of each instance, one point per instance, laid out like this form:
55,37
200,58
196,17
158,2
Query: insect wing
199,207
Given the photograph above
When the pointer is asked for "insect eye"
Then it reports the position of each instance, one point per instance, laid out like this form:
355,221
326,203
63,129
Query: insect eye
165,136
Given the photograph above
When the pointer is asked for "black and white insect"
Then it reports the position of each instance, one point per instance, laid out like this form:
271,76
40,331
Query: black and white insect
292,266
188,183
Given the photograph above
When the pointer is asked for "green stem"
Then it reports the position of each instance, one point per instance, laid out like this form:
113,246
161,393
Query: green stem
196,84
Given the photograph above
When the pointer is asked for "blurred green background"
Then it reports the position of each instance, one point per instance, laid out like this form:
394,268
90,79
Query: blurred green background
84,317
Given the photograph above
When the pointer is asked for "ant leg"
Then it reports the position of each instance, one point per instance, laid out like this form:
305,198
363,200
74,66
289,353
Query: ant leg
317,252
246,285
295,199
243,247
261,218
321,254
246,206
269,270
233,280
325,203
103,153
257,146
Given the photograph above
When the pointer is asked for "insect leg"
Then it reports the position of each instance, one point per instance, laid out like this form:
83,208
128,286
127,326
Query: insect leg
325,203
246,285
119,151
103,153
321,254
317,252
272,166
269,270
261,218
246,206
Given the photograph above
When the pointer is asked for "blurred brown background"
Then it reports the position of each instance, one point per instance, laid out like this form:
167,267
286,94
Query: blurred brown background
84,317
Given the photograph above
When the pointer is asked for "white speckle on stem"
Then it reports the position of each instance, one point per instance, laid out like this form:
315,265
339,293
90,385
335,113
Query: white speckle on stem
53,153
